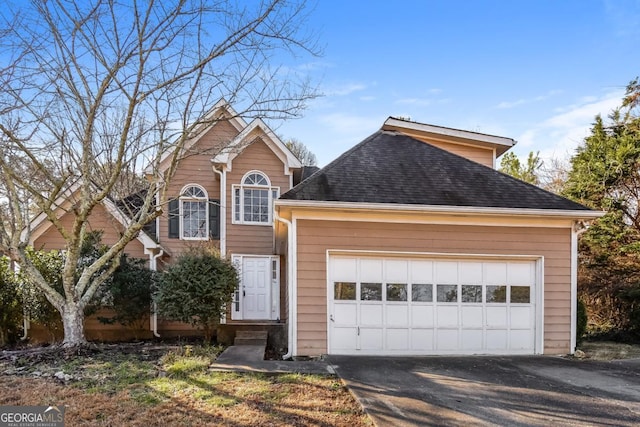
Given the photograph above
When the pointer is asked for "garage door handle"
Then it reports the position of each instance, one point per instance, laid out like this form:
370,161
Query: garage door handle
331,317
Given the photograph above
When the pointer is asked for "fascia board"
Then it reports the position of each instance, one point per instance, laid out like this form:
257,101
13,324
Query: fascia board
41,224
236,121
451,210
273,142
124,220
41,220
502,142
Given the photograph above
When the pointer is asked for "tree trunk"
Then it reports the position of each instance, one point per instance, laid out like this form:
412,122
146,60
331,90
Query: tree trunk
73,325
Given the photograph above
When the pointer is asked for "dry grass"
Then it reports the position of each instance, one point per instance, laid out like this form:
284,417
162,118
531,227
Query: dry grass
175,389
603,350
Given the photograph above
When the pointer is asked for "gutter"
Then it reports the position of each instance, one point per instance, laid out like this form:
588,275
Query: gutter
291,317
438,209
576,231
223,210
153,264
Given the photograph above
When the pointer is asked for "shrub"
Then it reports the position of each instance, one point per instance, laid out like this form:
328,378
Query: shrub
128,293
38,308
10,305
196,288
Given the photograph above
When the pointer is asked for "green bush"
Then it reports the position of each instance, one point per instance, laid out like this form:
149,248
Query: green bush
10,305
128,293
38,307
581,320
196,288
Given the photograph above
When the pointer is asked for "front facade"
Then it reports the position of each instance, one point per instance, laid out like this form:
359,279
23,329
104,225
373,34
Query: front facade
221,194
410,243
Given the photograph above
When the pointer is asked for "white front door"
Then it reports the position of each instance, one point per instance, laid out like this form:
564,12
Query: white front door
256,297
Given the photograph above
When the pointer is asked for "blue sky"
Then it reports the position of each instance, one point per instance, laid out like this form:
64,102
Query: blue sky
533,70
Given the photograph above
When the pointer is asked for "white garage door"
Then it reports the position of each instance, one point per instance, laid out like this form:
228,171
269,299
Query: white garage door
390,305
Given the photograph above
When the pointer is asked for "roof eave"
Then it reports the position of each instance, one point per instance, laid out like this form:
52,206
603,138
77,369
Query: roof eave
500,143
576,214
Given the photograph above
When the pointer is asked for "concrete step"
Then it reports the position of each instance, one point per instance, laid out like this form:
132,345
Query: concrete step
251,338
242,355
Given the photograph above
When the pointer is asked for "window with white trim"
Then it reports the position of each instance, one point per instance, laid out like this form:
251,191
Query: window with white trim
194,213
253,199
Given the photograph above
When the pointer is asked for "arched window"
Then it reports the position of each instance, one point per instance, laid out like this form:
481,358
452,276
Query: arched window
194,212
253,199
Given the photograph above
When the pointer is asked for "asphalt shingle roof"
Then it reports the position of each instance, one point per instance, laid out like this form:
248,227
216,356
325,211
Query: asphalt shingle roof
390,167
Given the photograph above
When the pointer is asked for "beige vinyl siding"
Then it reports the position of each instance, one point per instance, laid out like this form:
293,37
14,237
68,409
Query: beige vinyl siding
314,238
100,220
51,239
196,168
253,239
482,155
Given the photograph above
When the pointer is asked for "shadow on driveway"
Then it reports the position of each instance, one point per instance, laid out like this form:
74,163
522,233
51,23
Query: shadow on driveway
513,391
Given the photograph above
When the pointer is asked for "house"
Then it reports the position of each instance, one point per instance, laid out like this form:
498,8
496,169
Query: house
409,243
412,243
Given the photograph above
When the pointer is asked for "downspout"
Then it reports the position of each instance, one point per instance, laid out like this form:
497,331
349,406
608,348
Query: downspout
25,326
291,317
223,210
577,229
153,265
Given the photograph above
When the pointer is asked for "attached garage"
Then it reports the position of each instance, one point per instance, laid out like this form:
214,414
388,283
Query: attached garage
408,244
379,305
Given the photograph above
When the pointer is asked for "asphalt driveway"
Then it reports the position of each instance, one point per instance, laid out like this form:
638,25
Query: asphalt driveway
513,391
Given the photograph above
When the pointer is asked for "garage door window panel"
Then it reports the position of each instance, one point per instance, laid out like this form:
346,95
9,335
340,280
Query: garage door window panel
472,293
421,292
520,294
447,293
397,292
371,292
496,294
344,291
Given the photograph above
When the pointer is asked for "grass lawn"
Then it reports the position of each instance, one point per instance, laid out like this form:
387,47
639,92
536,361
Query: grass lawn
149,385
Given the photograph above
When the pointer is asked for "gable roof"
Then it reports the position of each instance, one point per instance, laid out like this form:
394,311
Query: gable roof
221,109
246,137
40,224
393,168
500,144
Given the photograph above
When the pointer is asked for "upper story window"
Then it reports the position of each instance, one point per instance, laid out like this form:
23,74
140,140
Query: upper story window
193,216
194,213
253,199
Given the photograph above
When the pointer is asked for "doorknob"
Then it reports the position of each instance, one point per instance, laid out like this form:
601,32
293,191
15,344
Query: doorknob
331,318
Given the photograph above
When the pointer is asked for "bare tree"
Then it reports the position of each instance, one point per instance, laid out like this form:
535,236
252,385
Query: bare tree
554,175
109,83
302,152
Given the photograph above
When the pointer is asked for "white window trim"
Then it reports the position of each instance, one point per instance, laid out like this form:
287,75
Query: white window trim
193,199
240,187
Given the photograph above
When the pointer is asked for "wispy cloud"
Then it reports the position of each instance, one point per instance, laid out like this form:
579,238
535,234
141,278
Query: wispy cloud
350,124
523,101
559,135
414,101
421,102
345,89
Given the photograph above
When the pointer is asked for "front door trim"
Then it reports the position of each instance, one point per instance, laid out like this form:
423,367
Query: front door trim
238,311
